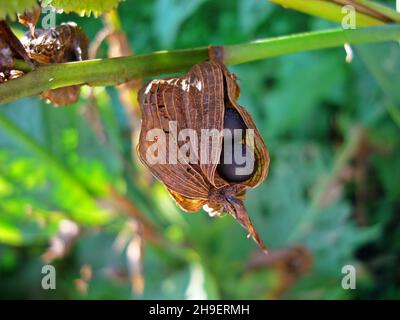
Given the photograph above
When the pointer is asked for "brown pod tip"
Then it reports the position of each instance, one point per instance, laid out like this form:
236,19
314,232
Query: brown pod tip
236,208
231,202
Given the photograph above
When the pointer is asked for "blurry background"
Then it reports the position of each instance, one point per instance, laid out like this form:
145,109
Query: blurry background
73,194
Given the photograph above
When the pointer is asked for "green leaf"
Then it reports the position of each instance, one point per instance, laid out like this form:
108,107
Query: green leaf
327,10
252,13
11,8
285,110
283,213
385,72
169,16
64,180
83,7
10,234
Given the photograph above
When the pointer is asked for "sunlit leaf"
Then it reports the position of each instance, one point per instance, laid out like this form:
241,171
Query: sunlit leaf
327,10
252,13
10,234
385,72
11,8
83,7
167,25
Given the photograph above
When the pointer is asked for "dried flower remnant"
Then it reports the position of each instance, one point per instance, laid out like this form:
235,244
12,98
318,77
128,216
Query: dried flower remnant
204,100
64,43
30,18
62,242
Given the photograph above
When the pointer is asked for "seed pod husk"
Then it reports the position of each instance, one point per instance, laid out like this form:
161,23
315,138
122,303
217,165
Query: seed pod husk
10,41
64,43
199,101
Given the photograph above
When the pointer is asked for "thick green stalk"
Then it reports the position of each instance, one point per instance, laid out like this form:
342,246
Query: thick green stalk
117,70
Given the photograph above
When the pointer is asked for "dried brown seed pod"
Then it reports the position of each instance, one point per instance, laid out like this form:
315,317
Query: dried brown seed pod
10,41
64,43
198,101
10,48
62,96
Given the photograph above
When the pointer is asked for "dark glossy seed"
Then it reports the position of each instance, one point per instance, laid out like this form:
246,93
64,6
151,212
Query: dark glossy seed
228,166
228,171
233,120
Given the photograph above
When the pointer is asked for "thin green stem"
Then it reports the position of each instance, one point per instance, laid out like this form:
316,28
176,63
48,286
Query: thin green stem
114,71
307,42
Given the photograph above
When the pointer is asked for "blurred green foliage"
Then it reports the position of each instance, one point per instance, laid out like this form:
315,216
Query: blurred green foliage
332,129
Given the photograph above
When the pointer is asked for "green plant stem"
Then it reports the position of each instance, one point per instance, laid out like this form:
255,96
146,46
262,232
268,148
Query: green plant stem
274,47
114,71
22,65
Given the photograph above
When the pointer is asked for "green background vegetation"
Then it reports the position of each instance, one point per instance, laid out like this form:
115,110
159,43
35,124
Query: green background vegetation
332,195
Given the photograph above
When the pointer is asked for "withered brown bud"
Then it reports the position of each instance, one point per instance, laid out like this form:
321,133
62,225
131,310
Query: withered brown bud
203,99
64,43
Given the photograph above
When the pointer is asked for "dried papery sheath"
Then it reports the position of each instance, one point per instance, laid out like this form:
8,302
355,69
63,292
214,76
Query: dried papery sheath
184,144
64,43
30,18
